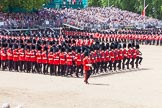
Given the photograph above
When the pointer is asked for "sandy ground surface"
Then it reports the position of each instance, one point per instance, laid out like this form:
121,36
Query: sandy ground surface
131,89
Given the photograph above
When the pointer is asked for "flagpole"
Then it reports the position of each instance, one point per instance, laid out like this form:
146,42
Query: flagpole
144,12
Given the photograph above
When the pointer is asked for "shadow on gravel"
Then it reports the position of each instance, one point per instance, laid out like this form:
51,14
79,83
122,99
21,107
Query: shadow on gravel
98,84
118,72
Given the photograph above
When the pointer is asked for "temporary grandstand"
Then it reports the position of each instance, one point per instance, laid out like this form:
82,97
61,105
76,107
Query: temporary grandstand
67,4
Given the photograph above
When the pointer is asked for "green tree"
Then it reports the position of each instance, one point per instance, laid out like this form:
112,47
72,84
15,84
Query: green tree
27,5
154,9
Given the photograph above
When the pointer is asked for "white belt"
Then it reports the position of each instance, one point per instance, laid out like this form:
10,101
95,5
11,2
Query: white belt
69,60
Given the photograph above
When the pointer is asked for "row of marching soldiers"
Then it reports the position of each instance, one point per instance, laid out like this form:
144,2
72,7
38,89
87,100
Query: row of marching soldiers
66,60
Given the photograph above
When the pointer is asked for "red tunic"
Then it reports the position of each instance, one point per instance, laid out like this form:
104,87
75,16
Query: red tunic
112,56
69,59
107,57
85,62
56,59
38,57
15,55
27,56
120,54
21,55
32,56
9,54
102,56
129,53
125,53
50,58
62,58
44,57
134,52
3,55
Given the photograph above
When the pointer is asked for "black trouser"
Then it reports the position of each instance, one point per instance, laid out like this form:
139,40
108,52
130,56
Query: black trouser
69,70
56,69
138,60
10,65
132,62
51,69
28,66
16,65
153,42
119,64
157,42
102,66
110,65
127,63
0,63
114,64
105,66
33,67
98,66
160,42
123,64
94,71
45,68
87,75
3,64
62,69
79,69
21,64
39,68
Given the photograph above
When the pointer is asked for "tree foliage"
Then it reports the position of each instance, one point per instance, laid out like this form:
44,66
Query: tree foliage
27,5
154,9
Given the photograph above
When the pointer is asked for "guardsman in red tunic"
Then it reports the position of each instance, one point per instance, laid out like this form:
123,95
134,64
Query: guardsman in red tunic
50,62
134,56
116,53
69,64
78,62
125,56
56,62
15,59
92,58
112,57
96,64
39,61
44,62
62,57
120,52
139,58
102,53
3,58
33,60
129,55
107,58
98,60
21,59
86,67
160,40
0,56
10,59
27,61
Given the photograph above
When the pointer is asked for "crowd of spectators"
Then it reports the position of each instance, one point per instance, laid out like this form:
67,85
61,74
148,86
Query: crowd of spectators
88,18
105,18
43,17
